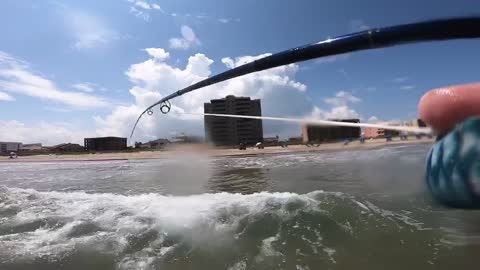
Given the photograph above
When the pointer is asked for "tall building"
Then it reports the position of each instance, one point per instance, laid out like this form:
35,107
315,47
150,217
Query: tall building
105,144
225,131
7,147
315,133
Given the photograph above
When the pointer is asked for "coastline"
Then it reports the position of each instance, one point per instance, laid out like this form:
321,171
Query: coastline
215,152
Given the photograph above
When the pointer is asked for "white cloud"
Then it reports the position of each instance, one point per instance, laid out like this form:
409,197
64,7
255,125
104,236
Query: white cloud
342,112
140,13
281,95
342,98
340,107
373,119
407,87
44,132
17,77
141,8
6,97
143,5
400,80
85,87
358,25
158,53
88,31
187,40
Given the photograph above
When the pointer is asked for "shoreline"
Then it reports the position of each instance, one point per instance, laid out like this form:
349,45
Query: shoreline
215,152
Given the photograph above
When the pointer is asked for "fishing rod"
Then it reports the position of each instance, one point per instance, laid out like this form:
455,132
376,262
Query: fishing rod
427,31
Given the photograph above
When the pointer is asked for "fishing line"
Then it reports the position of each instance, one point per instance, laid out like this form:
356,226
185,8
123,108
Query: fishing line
453,169
317,122
436,30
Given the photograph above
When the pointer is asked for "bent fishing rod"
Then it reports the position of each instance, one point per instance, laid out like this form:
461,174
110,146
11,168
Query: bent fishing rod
427,31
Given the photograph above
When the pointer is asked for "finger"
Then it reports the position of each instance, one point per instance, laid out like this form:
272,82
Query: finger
445,107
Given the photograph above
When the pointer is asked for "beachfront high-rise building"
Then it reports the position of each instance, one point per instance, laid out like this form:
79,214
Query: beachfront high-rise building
313,133
225,131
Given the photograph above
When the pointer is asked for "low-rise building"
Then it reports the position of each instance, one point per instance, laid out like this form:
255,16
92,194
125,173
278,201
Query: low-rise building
105,144
372,132
318,134
7,147
415,123
295,140
31,147
67,147
155,144
184,138
270,141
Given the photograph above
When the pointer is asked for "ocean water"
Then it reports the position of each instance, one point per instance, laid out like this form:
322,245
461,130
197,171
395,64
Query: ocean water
365,209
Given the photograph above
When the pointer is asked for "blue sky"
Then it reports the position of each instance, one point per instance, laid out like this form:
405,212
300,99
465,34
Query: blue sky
70,69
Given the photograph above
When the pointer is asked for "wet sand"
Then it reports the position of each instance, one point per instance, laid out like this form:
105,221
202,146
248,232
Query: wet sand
213,152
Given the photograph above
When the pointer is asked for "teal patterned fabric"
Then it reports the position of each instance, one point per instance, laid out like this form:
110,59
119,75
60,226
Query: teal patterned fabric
453,167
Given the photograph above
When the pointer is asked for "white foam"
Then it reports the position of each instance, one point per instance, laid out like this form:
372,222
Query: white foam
119,217
107,223
241,265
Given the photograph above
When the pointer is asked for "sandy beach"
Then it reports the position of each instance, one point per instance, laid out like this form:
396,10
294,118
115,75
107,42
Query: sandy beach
213,152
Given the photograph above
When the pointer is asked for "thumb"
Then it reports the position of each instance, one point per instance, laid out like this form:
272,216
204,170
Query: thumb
443,108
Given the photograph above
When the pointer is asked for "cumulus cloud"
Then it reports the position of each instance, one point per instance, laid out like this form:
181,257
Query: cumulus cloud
6,97
88,31
340,107
154,78
43,132
158,53
17,77
187,40
341,103
342,112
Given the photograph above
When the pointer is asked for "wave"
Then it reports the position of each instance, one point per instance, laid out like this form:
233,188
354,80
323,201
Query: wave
207,231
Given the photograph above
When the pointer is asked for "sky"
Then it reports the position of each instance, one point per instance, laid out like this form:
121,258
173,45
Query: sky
76,69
